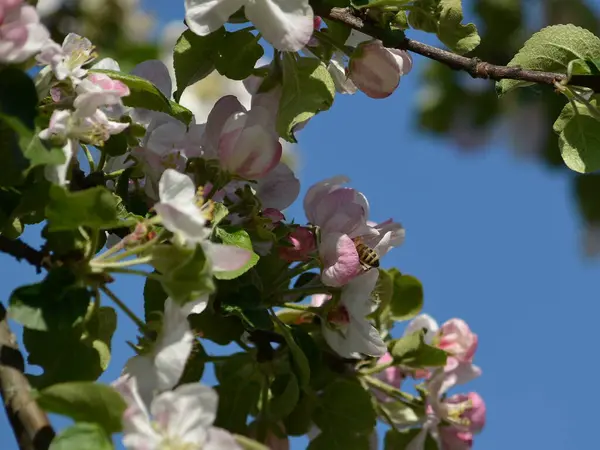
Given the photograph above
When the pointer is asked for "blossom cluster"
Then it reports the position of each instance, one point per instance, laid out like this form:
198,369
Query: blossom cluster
200,183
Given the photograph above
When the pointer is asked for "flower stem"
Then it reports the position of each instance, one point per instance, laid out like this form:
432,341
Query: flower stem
142,273
111,265
132,251
141,325
115,174
378,368
89,157
102,160
392,391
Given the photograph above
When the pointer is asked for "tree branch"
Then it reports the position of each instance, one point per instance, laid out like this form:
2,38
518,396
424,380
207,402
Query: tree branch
30,424
473,66
20,250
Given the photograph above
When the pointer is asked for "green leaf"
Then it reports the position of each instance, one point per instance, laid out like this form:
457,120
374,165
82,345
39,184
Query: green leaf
236,399
71,355
82,436
407,299
396,440
458,37
299,421
585,67
299,359
579,144
95,208
99,333
344,406
18,96
143,94
342,440
238,54
85,402
220,211
552,49
384,292
116,145
412,351
219,329
399,413
568,112
241,239
249,444
286,393
154,299
193,58
307,89
424,16
54,304
186,274
21,150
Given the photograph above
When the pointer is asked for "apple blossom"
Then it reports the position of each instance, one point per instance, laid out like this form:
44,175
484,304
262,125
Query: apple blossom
451,438
302,241
339,74
161,369
279,188
244,141
457,339
177,419
67,61
346,328
469,409
21,33
376,70
286,24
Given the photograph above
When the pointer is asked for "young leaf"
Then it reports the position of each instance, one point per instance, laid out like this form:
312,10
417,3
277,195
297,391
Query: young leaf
236,400
552,49
82,436
18,97
193,58
238,54
458,37
407,299
299,359
154,299
412,351
307,89
579,144
99,332
241,239
424,16
344,406
395,439
286,393
399,413
143,94
217,328
299,421
331,440
95,208
85,402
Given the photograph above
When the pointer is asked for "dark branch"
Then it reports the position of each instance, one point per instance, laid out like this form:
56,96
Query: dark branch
473,66
30,424
20,250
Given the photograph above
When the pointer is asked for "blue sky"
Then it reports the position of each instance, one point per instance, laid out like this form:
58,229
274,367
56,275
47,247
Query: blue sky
494,239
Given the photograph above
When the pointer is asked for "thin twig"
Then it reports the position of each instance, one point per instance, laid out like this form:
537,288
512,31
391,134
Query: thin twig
29,422
473,66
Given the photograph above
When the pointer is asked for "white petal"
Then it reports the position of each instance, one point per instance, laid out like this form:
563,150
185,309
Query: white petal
195,306
58,174
226,258
365,339
287,25
185,221
420,322
279,188
356,295
142,369
219,439
186,412
176,187
107,64
157,73
338,342
205,16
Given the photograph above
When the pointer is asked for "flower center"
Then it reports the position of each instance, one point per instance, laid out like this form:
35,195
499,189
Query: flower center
338,317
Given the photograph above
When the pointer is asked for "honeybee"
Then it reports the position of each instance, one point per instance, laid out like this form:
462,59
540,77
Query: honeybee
367,257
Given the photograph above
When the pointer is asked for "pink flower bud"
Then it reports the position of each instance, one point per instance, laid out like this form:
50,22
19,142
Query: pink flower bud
317,21
248,145
376,70
274,214
457,338
108,84
454,439
392,375
471,408
303,242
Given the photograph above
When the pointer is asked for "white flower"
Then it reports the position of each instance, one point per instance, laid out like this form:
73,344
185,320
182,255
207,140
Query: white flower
161,369
21,33
179,420
286,24
181,215
346,328
178,209
67,61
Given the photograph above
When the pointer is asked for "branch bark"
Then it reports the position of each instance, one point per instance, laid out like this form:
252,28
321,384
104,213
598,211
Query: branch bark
30,424
473,66
20,250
